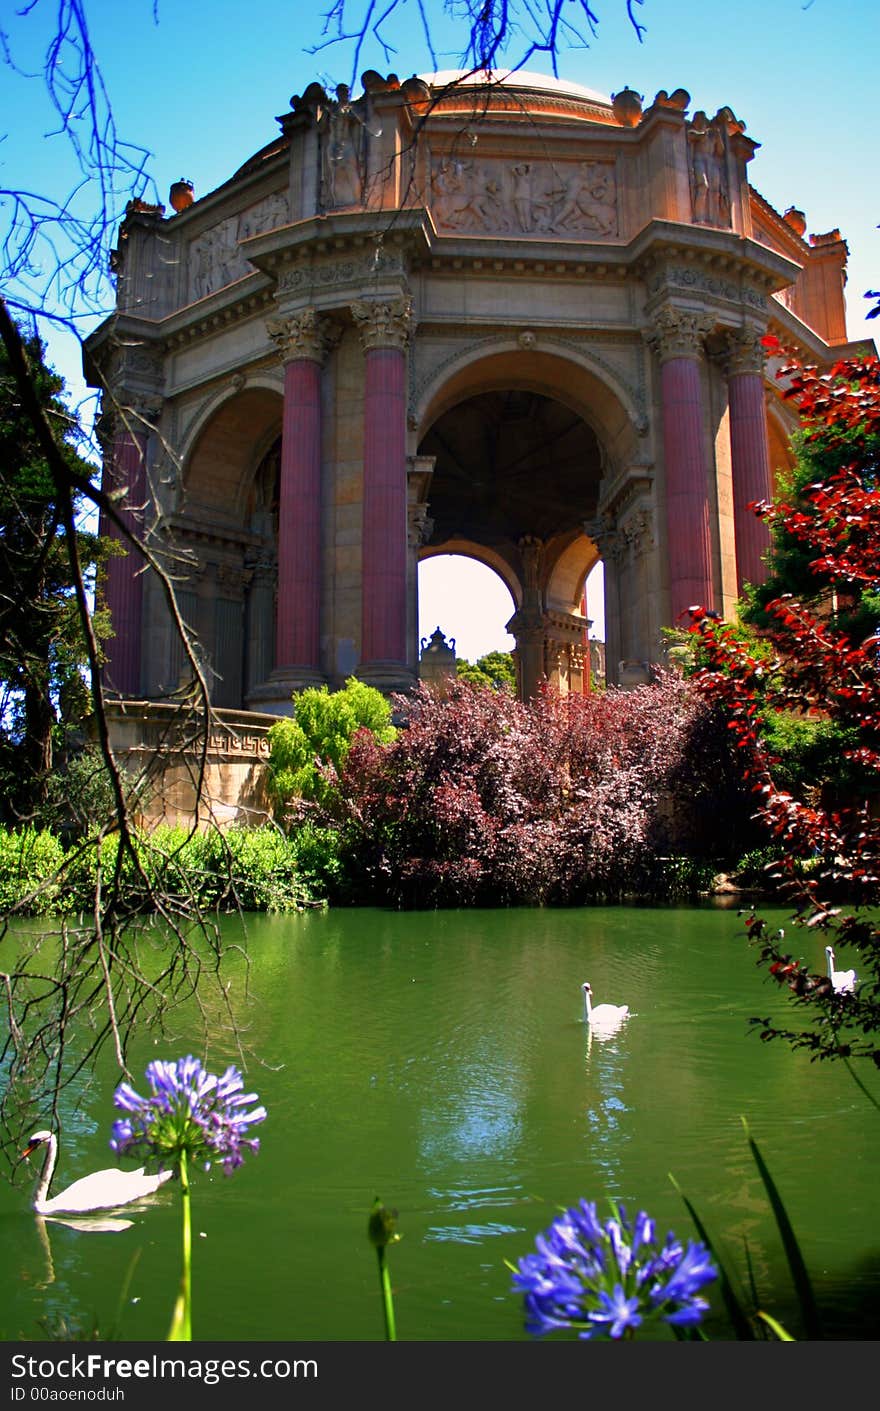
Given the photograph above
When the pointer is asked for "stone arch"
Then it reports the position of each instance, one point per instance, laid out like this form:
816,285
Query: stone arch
466,548
575,376
574,435
225,447
226,592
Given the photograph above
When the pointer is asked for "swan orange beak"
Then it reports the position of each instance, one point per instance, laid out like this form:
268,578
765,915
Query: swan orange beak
31,1147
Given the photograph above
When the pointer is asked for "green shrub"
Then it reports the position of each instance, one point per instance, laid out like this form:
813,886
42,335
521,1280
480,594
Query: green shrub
255,869
30,863
318,735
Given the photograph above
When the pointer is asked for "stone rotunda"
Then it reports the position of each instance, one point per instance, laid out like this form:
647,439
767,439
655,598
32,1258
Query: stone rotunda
513,319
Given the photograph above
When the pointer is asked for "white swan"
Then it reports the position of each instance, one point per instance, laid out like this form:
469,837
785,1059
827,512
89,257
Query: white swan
602,1016
102,1190
844,981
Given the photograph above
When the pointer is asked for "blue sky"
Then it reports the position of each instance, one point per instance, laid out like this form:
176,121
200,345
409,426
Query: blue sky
199,85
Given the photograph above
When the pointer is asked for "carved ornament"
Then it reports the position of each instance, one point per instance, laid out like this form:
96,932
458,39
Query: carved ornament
339,272
745,352
420,525
679,333
384,323
307,336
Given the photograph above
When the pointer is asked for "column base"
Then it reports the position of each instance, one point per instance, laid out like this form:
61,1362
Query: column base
276,694
387,676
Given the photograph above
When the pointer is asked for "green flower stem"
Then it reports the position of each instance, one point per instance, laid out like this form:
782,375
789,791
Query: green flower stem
181,1322
387,1300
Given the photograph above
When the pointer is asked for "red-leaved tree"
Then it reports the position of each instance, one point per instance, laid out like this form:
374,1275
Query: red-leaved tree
823,668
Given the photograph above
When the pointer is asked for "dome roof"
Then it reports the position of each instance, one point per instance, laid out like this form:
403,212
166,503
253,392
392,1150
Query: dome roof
517,78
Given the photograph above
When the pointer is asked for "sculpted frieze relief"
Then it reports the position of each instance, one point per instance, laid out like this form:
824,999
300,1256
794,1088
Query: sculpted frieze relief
267,214
215,259
524,198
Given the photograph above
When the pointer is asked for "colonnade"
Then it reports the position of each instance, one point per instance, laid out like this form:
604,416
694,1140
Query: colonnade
304,340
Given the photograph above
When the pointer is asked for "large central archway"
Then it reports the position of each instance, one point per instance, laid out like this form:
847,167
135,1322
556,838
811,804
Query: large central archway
520,443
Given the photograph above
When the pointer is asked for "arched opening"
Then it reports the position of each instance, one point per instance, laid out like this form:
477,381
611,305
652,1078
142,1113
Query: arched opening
226,552
468,601
516,477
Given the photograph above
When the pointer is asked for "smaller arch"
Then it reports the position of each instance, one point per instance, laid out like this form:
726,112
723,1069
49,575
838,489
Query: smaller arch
227,447
465,548
569,573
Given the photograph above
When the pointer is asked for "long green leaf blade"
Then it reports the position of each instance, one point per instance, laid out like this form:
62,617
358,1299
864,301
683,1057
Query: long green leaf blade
799,1275
735,1310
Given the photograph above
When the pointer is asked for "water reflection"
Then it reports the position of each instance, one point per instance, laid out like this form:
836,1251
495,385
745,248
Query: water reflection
86,1224
605,1054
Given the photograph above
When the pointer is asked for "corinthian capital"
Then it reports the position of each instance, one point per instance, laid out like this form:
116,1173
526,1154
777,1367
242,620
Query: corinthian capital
679,333
306,335
385,323
744,351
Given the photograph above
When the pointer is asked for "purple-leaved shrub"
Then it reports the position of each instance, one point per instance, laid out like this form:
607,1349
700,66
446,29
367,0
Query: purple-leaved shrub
482,800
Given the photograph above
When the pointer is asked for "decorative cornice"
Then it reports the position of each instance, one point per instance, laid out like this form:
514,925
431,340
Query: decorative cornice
679,333
307,336
384,323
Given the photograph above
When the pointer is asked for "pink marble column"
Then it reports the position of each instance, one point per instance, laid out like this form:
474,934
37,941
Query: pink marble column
298,623
677,337
749,453
123,586
303,341
384,329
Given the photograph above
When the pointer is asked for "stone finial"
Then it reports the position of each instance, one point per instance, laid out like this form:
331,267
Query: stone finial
627,106
384,323
745,351
307,336
679,333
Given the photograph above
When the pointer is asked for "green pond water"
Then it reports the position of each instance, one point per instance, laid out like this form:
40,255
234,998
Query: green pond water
440,1060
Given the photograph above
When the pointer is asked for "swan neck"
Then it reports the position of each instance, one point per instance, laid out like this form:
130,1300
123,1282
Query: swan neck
45,1178
588,1008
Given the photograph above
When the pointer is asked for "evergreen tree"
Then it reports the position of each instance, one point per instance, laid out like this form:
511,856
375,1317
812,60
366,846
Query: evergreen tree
44,693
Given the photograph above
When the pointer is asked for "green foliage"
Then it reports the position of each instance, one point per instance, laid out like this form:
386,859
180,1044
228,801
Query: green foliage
794,565
42,648
495,669
810,751
318,864
255,869
309,748
30,860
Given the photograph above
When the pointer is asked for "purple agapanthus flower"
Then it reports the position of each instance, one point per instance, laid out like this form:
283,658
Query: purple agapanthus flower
189,1111
606,1280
